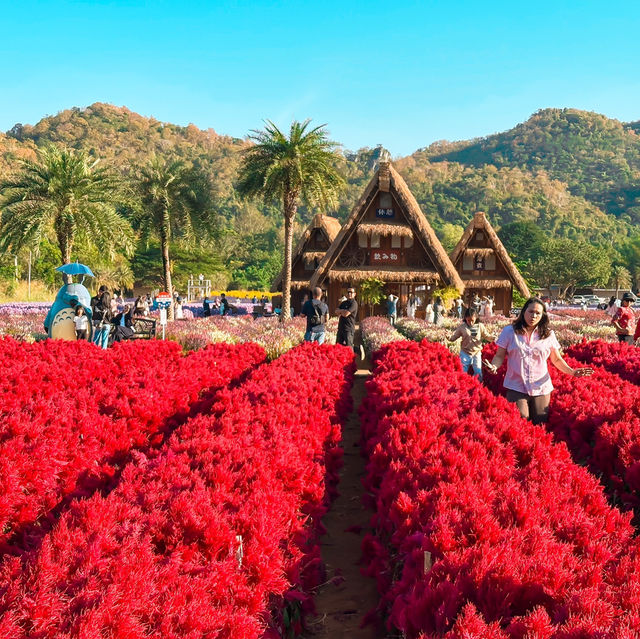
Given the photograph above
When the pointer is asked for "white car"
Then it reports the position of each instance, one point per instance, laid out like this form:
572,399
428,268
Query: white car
578,299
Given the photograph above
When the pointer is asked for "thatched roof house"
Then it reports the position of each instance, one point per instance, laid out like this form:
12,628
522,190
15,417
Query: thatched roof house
386,237
306,257
485,266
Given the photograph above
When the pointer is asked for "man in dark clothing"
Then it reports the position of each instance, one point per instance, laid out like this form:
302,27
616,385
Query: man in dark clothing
347,312
224,304
123,323
317,313
206,307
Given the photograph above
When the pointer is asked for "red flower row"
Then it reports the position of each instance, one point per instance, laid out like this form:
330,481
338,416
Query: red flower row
619,358
71,413
484,528
202,538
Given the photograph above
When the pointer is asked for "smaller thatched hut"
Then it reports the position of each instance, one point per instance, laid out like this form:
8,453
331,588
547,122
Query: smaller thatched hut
306,257
485,266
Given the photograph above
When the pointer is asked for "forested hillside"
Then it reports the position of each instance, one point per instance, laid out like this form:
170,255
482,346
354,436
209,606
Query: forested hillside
597,157
568,174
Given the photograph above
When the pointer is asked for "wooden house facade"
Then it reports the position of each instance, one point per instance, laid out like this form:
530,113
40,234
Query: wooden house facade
386,237
306,257
485,267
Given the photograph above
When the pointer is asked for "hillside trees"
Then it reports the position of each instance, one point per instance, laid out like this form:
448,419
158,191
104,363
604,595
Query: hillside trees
290,169
64,193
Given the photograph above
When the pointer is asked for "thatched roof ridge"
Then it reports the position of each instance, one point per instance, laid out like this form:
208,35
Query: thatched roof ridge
397,274
480,221
425,234
330,225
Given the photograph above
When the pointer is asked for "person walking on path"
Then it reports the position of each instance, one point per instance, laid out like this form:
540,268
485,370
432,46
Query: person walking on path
528,343
101,316
347,312
317,314
392,308
428,312
624,318
438,312
472,333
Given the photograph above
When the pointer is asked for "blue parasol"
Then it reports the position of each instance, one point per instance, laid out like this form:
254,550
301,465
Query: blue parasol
75,268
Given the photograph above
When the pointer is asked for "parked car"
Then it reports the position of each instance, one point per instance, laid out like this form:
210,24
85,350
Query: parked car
578,299
594,300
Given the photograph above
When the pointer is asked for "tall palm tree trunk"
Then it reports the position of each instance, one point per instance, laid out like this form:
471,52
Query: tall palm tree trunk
290,210
65,244
166,264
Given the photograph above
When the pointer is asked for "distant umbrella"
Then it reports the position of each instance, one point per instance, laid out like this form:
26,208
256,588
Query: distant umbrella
75,268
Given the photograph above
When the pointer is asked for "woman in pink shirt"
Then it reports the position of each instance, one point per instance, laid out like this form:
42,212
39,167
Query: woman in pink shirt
528,343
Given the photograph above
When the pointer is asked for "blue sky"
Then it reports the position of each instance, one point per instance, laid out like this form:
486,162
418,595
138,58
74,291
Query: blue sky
401,74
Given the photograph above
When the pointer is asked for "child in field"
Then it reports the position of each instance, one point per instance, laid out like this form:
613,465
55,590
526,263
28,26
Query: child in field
472,333
81,322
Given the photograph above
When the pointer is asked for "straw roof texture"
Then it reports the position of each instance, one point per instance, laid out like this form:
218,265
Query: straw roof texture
388,275
395,230
331,227
483,252
424,234
480,222
488,283
309,256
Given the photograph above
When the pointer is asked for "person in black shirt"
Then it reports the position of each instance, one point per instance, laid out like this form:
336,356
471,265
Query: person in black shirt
347,312
317,313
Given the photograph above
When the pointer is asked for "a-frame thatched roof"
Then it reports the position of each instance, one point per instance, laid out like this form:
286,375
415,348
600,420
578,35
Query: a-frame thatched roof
326,224
387,179
480,222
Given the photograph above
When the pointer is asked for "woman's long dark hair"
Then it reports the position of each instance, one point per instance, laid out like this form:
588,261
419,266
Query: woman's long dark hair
543,327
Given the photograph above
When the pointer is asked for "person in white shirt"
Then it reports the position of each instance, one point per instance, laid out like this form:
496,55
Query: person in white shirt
81,322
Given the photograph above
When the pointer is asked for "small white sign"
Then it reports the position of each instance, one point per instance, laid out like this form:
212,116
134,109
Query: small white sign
163,317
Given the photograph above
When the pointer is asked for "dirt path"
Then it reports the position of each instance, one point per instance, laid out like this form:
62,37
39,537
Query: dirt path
348,595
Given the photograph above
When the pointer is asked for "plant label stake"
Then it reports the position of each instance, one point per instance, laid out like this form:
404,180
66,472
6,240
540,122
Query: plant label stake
427,562
240,550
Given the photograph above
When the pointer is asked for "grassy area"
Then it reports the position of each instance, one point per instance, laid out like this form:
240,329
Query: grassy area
19,292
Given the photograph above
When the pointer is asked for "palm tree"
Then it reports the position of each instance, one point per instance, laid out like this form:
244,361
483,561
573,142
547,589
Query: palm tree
620,277
174,201
291,170
66,193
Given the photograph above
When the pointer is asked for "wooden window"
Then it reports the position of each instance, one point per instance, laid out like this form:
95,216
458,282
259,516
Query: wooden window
396,241
363,239
386,201
375,240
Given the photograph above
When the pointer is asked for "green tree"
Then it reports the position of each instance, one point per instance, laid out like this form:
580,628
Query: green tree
174,201
64,193
620,277
300,168
569,264
371,292
523,240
